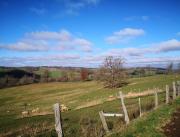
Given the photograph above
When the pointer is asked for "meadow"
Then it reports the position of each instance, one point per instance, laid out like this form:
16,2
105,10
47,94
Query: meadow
83,99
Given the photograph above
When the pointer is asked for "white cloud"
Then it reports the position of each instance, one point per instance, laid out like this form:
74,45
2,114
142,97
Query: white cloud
124,35
49,60
169,45
125,52
88,61
63,35
154,60
22,46
48,40
86,45
160,47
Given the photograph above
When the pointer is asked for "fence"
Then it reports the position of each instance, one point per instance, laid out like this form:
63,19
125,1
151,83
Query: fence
143,102
160,96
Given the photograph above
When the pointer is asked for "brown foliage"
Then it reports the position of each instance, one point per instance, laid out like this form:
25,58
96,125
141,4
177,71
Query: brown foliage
84,74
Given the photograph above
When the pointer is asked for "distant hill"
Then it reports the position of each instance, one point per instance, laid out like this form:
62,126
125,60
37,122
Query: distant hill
17,73
13,76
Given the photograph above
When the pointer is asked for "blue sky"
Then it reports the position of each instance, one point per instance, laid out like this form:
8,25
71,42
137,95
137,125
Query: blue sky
84,32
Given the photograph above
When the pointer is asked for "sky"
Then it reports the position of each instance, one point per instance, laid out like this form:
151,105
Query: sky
81,33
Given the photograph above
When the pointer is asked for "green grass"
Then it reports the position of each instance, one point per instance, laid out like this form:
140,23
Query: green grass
52,73
150,125
55,74
73,95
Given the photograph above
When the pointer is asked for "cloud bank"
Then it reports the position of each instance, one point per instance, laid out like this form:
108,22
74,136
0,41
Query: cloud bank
124,35
67,49
48,40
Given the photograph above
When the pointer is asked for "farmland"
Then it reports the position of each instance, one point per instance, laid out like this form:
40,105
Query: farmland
89,68
84,100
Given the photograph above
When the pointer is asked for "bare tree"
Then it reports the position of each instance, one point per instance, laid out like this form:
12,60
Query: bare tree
170,68
45,75
112,72
178,67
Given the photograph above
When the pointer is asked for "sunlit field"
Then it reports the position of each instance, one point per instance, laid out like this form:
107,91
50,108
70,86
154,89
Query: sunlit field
83,99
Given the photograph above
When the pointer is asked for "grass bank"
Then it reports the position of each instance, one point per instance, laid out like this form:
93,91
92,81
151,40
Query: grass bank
150,125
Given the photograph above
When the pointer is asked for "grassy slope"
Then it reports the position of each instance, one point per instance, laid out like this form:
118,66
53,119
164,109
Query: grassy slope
150,125
71,94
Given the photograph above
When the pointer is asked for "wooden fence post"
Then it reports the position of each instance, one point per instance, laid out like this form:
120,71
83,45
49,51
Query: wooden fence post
174,90
103,120
167,94
58,122
126,117
156,98
140,114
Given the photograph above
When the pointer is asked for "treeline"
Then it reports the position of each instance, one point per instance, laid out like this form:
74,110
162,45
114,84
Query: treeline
15,77
82,74
149,71
112,73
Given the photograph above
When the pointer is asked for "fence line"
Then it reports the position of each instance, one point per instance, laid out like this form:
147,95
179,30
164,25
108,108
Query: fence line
176,92
156,98
178,87
58,121
155,92
126,117
167,94
140,111
103,120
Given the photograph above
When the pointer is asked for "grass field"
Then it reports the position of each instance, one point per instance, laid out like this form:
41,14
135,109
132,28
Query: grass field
52,73
150,125
56,73
78,96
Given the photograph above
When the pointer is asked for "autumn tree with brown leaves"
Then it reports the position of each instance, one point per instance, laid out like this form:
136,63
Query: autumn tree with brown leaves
84,74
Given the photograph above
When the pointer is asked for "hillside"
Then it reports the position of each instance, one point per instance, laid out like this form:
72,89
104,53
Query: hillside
83,99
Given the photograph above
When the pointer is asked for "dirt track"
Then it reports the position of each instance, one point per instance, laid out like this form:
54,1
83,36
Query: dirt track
172,129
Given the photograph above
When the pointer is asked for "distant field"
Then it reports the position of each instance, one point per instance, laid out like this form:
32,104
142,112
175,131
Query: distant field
73,94
56,73
52,73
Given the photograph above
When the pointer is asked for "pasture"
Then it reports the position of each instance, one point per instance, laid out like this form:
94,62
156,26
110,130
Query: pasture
83,99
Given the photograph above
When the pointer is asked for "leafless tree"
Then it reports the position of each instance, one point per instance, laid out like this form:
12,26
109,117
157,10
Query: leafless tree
45,76
178,67
170,68
112,72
